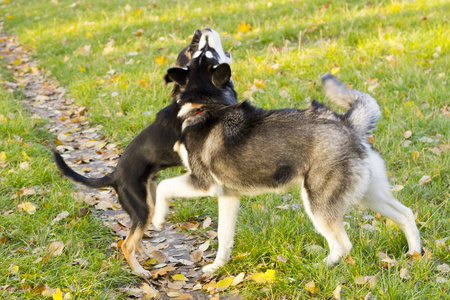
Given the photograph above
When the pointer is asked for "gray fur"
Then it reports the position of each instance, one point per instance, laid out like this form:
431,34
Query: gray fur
240,149
364,111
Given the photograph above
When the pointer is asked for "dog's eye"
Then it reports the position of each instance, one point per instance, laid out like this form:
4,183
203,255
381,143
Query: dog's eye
191,52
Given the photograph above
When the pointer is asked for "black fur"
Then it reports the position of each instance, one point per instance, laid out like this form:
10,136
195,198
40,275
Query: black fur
150,152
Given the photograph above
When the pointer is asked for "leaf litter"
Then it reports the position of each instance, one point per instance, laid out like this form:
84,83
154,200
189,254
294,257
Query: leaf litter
176,271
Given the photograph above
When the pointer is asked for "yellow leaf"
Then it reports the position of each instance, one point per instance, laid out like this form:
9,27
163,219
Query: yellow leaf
387,111
160,60
10,16
2,117
179,277
13,269
28,207
224,284
390,223
2,156
25,155
335,70
81,69
311,287
268,277
58,295
419,113
243,27
108,50
259,83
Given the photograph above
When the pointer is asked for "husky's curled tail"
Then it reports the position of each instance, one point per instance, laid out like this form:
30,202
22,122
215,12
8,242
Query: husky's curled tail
363,111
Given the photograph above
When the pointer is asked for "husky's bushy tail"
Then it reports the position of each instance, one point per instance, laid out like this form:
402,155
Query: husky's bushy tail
363,111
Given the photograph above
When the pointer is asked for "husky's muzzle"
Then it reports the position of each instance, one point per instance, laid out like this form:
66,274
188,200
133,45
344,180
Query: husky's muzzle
211,45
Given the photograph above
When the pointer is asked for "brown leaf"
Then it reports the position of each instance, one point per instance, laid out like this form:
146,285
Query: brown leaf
162,271
159,257
196,256
192,225
184,297
350,261
56,248
311,287
212,234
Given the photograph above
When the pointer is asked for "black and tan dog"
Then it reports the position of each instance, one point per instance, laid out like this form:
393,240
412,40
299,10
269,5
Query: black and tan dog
134,177
240,149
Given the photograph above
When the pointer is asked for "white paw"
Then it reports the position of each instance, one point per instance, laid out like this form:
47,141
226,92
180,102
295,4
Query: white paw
210,269
158,223
143,273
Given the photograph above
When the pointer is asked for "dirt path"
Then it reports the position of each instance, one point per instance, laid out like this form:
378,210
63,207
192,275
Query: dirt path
88,152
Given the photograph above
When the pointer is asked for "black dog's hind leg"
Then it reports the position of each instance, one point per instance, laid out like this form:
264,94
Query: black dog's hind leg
151,198
139,206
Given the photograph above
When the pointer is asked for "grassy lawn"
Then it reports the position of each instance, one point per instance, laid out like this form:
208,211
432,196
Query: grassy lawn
111,55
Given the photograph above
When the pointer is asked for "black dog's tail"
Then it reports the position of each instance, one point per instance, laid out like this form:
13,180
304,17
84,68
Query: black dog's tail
107,180
363,113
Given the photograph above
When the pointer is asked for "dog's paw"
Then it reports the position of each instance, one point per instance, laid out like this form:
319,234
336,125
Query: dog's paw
209,270
158,223
141,272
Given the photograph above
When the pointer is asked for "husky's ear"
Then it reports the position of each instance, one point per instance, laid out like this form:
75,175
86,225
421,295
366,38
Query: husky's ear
177,75
222,74
196,37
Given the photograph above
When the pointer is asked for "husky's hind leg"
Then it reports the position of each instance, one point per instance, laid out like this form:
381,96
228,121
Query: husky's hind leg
331,226
379,198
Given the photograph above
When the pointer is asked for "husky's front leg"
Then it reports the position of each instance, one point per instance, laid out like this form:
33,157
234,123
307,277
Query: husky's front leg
228,208
178,187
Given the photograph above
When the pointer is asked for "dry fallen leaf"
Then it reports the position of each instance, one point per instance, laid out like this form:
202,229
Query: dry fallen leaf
238,279
179,277
407,134
207,223
223,284
444,268
196,256
311,287
203,247
404,274
425,180
148,291
267,277
337,292
56,248
28,207
365,279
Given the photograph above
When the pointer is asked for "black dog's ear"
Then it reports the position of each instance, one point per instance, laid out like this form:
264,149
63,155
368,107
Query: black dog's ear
222,74
177,75
196,37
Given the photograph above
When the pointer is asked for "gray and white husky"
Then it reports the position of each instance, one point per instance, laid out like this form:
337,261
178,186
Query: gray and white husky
233,150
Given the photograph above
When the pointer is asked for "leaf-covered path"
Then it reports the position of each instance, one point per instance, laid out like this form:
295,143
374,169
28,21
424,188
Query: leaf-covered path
177,256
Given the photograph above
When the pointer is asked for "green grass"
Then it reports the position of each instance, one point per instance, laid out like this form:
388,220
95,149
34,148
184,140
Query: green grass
24,238
397,49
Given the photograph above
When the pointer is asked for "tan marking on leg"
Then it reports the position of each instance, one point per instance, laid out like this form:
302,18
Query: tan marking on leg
128,248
